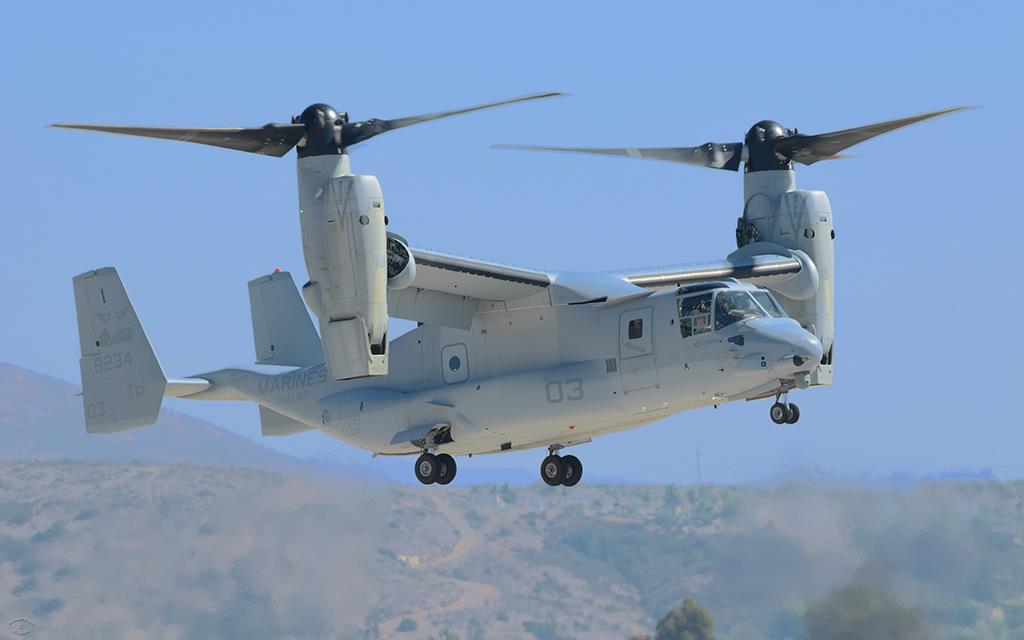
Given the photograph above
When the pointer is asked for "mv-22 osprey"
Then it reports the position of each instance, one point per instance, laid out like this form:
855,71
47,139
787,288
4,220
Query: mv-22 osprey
503,358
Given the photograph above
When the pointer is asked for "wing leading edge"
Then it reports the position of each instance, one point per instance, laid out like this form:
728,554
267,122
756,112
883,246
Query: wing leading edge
753,267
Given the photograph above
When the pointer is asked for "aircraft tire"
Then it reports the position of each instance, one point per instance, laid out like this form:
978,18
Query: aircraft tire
427,468
794,414
779,413
446,468
552,470
573,471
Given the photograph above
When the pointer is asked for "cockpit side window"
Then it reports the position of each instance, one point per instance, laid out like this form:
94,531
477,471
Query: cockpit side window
769,303
694,314
733,306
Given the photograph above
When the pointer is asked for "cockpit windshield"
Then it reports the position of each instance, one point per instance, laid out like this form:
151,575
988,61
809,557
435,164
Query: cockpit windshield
733,306
727,306
769,303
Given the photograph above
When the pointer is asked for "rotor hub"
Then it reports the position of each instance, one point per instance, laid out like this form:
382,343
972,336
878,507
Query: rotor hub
323,130
760,142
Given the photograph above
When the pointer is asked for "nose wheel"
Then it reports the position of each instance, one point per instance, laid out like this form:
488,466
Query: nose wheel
794,414
784,412
558,471
440,468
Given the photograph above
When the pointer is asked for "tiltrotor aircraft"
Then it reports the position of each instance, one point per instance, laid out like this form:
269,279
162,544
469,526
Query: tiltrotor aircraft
503,358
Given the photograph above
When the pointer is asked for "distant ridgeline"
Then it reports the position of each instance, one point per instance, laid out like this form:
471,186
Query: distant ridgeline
100,549
41,418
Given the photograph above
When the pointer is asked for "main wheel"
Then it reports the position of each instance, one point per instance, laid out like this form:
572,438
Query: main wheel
552,470
779,413
427,468
573,471
446,468
794,414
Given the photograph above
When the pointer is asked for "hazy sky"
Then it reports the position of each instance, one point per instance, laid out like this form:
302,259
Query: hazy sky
928,352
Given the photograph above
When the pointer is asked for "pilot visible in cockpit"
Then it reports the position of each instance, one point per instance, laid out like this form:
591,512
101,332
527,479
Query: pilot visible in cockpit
734,306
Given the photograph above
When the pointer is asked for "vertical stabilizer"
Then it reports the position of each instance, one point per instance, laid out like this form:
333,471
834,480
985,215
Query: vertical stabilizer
282,329
122,382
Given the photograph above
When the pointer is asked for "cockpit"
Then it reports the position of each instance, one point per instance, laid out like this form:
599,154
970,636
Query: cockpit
714,306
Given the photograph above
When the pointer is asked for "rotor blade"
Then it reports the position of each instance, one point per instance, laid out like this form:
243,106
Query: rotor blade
714,155
810,149
269,140
357,132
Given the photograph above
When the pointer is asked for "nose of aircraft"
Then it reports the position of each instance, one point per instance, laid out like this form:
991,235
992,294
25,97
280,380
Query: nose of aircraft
807,350
789,340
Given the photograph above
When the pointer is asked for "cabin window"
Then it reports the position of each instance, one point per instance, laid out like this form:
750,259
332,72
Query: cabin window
636,329
694,314
455,363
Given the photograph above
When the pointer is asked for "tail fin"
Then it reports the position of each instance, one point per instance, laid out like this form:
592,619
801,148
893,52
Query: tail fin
122,382
282,330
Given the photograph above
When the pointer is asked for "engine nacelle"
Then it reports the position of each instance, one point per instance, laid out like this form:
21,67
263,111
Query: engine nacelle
345,245
401,264
776,211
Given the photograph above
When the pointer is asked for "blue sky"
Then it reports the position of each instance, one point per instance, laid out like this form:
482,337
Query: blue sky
928,351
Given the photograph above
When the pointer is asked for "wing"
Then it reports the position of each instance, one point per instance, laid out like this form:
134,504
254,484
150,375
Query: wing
766,267
448,290
475,278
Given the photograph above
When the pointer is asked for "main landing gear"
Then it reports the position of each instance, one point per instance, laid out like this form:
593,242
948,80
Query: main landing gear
783,411
556,470
440,468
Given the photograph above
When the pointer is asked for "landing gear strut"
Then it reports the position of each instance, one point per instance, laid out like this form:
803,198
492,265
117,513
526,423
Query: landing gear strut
556,470
432,468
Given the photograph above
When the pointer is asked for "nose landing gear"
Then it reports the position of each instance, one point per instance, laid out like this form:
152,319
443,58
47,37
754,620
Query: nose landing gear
783,411
556,470
794,414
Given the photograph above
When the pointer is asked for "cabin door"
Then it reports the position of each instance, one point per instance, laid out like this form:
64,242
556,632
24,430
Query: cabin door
636,350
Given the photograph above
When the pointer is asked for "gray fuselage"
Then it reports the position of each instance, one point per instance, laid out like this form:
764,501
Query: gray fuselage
530,374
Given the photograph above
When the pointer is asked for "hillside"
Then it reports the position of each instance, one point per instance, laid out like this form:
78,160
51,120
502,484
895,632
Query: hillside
41,418
173,551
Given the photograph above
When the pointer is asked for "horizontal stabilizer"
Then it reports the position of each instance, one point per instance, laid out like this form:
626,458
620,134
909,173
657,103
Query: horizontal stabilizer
122,382
273,423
